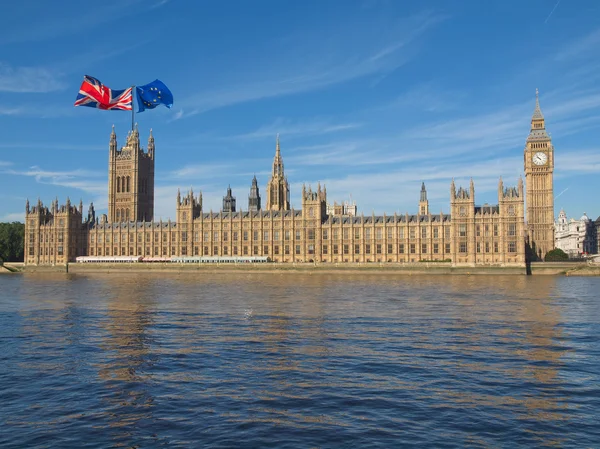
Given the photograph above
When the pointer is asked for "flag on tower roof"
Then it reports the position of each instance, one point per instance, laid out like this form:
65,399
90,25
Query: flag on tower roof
94,94
152,94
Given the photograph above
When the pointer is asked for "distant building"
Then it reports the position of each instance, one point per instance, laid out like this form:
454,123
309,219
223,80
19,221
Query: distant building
345,208
575,237
317,232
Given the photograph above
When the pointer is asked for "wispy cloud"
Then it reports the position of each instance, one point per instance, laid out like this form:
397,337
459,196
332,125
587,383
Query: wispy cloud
5,163
13,216
579,48
81,179
339,56
64,146
65,20
29,79
292,128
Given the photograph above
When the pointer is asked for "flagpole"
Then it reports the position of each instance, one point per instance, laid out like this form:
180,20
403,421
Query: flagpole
132,108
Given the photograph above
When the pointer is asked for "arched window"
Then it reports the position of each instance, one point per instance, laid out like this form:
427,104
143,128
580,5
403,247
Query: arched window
127,210
128,184
118,215
122,214
118,184
122,183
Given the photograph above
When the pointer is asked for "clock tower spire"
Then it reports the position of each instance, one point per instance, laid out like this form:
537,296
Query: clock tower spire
539,169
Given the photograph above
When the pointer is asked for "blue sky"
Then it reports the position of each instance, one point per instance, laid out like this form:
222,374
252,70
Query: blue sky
370,97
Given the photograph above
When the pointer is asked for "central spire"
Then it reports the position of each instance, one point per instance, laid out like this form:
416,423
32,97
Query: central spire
278,189
538,126
277,161
537,112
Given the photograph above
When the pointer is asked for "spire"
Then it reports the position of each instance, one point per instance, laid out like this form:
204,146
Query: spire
113,140
520,187
537,113
151,139
277,151
423,203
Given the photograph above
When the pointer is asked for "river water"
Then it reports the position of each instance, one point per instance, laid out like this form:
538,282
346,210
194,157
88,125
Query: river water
299,361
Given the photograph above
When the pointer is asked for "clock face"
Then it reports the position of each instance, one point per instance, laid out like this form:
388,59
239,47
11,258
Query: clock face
540,158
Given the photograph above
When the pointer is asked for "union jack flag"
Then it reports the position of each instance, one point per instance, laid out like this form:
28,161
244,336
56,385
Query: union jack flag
94,94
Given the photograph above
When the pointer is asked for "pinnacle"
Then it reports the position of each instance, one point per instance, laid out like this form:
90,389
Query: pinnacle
537,113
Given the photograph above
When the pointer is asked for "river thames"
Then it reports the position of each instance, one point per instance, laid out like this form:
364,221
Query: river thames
299,361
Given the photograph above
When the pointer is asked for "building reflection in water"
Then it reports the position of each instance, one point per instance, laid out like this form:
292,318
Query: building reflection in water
291,334
518,354
128,358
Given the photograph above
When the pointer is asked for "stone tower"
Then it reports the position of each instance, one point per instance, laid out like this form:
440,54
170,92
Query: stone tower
130,179
462,211
254,197
314,213
423,203
278,189
229,201
539,168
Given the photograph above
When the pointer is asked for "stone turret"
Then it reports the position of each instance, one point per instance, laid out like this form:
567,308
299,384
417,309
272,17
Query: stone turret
254,197
228,201
423,202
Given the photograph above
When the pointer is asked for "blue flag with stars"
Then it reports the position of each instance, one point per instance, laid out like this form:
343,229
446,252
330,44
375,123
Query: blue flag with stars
152,94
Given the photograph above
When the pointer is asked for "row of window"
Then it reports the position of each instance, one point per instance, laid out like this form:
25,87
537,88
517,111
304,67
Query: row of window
485,230
335,249
310,235
46,238
123,184
47,251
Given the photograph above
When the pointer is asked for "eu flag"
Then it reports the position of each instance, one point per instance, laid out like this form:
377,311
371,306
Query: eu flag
152,94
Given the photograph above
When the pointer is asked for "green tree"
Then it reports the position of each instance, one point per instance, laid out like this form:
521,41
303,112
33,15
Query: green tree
12,237
556,255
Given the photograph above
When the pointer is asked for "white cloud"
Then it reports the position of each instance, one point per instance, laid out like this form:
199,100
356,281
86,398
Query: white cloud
288,127
13,216
579,48
64,20
29,79
334,56
80,179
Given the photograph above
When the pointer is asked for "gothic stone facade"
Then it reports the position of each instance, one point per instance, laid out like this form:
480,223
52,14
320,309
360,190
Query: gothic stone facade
469,235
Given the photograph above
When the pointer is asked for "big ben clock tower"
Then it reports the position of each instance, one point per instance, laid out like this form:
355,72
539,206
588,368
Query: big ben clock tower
539,168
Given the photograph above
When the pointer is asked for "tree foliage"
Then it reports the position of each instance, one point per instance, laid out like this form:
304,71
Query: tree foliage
556,255
12,237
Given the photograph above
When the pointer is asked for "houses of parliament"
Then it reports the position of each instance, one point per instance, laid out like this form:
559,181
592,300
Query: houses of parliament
470,234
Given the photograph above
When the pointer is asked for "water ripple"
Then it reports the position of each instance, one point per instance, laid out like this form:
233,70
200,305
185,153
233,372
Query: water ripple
299,361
